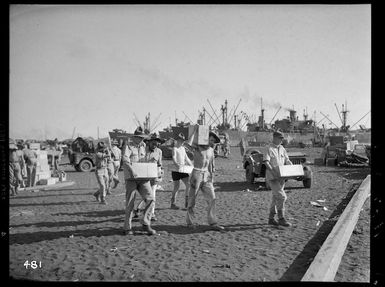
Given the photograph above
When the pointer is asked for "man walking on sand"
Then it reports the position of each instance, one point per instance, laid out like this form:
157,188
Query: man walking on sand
275,156
102,154
180,158
202,178
116,154
136,152
153,154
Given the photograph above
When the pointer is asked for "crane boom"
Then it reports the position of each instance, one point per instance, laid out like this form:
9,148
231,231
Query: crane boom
330,120
231,117
338,113
213,110
360,119
275,115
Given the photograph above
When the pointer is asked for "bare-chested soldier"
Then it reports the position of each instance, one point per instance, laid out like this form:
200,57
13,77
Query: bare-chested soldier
202,178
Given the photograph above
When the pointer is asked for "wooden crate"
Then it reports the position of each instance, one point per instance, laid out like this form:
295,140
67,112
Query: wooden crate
201,136
294,170
145,170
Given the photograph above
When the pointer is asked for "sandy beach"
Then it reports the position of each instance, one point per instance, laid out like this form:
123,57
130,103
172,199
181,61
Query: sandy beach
77,239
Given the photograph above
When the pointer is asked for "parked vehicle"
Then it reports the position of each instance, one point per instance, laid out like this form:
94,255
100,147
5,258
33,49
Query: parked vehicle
255,167
82,154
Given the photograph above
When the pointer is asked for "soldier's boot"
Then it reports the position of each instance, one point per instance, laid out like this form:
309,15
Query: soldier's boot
281,219
272,220
148,229
96,195
116,182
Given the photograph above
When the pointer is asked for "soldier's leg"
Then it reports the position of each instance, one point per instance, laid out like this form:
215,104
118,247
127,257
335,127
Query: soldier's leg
101,183
33,174
131,188
175,193
209,195
186,182
146,193
195,182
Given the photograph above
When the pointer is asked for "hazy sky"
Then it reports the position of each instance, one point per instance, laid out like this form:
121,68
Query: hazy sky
89,66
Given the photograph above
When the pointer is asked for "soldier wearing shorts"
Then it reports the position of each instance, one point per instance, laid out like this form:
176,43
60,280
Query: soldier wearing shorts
180,158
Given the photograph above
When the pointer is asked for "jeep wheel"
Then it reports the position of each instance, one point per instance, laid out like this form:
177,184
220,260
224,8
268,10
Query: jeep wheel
307,182
85,165
249,174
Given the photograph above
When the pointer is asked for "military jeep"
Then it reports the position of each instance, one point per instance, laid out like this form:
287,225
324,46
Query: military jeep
255,167
82,154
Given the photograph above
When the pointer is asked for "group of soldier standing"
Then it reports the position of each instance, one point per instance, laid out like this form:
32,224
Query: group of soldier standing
23,162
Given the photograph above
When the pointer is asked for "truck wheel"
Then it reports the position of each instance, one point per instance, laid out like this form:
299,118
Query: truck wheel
249,174
307,182
85,165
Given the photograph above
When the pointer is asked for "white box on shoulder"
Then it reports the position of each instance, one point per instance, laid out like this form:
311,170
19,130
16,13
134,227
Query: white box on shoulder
201,136
145,170
186,169
290,170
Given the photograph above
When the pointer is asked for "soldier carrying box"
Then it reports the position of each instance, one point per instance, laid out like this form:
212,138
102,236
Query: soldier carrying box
133,153
276,156
202,175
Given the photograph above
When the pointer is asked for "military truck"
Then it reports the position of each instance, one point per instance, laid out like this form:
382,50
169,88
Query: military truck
255,167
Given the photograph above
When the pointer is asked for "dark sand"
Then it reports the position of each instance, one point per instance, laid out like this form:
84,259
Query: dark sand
74,237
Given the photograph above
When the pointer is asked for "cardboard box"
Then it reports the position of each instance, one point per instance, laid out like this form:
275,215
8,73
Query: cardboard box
42,175
186,169
290,170
35,146
145,170
201,136
48,181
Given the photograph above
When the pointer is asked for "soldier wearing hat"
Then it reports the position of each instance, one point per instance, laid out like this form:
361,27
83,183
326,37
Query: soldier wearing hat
102,155
275,156
116,154
153,154
14,169
180,158
30,158
136,152
202,178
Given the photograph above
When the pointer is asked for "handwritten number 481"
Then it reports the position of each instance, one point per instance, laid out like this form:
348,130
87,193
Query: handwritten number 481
34,264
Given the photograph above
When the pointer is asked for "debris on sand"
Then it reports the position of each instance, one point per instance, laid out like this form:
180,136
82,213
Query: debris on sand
222,266
315,204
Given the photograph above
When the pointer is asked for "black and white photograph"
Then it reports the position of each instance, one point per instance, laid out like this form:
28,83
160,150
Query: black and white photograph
190,143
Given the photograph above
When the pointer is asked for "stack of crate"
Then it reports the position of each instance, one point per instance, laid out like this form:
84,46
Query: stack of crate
43,172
